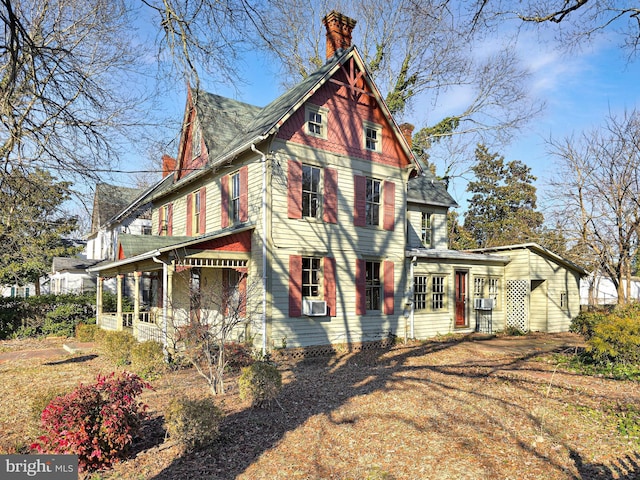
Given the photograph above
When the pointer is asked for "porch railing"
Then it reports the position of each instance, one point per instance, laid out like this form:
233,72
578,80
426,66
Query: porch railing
109,320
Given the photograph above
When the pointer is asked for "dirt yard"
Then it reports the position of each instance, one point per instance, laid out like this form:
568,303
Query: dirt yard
447,409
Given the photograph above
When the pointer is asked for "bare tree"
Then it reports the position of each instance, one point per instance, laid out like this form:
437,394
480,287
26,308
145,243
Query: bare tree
577,21
597,194
417,52
61,101
217,314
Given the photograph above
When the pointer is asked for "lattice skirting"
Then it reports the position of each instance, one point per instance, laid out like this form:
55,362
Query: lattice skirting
518,304
330,350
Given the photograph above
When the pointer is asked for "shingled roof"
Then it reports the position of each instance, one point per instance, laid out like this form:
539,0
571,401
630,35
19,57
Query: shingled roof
428,190
109,200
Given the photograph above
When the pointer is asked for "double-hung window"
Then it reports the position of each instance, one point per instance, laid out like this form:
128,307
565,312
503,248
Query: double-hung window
425,231
311,277
372,207
316,121
438,291
487,287
372,286
234,198
372,137
196,212
420,292
311,196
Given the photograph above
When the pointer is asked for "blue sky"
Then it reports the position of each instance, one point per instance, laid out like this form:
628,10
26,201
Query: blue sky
579,88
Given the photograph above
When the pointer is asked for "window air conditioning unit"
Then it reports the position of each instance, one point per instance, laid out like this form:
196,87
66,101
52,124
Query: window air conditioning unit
483,304
314,308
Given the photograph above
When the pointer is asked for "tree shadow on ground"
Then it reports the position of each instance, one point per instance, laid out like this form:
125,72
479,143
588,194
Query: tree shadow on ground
623,468
80,359
320,386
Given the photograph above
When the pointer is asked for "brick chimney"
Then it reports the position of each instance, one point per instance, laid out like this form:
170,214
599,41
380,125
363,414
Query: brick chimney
407,131
168,165
339,28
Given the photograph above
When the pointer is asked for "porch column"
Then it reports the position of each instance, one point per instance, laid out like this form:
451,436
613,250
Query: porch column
119,323
169,299
99,300
136,302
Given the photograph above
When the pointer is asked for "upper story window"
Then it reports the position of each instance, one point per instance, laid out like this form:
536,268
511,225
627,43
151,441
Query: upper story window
196,212
372,207
234,199
164,220
316,121
372,137
310,277
425,231
145,230
372,286
196,140
311,197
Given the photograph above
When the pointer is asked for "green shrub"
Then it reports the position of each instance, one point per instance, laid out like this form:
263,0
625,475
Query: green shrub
110,302
616,339
260,382
147,359
86,332
585,323
62,320
117,346
194,423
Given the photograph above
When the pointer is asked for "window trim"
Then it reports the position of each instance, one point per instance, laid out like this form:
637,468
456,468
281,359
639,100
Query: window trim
312,266
373,284
427,217
371,205
196,139
440,295
421,294
309,110
319,194
366,139
234,201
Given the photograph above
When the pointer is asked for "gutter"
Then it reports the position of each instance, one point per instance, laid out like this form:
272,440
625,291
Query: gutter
264,243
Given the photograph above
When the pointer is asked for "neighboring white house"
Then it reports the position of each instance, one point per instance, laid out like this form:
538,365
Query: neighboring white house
69,275
116,210
599,290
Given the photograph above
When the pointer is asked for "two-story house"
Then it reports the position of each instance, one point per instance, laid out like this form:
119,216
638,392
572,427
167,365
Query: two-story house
316,205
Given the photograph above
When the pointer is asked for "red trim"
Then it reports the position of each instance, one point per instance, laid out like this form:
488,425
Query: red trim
121,255
330,210
189,214
170,220
360,200
244,194
294,190
361,285
388,287
330,285
224,201
203,211
234,242
295,285
389,205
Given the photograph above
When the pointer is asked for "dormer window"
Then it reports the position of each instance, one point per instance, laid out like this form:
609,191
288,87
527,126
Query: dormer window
316,121
372,137
196,140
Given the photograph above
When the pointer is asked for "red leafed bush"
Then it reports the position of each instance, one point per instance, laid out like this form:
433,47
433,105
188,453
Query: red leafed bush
96,422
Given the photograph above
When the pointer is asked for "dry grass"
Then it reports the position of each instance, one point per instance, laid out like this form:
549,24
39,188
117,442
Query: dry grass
441,409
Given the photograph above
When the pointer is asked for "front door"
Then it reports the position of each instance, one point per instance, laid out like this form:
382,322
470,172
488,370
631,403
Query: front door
461,299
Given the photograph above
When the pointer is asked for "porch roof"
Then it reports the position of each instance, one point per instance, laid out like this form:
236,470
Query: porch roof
162,248
443,254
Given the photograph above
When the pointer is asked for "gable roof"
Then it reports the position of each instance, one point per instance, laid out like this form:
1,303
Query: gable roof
262,122
73,264
428,190
540,250
108,201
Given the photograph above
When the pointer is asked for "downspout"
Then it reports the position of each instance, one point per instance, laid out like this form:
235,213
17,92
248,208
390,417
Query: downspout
165,304
264,243
413,307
